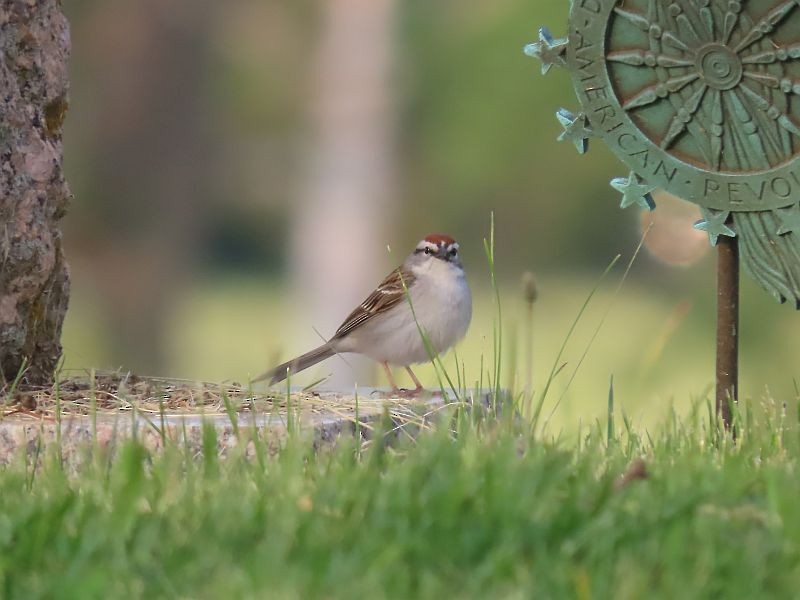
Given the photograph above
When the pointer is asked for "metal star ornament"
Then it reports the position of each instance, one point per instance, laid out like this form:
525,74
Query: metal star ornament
713,223
576,129
634,191
790,219
548,50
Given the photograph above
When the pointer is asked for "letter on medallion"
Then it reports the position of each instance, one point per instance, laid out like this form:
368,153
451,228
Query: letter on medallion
711,187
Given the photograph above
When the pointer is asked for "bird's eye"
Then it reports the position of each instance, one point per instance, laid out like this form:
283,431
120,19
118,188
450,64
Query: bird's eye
453,252
428,250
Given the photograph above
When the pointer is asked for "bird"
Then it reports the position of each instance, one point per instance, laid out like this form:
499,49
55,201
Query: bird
427,294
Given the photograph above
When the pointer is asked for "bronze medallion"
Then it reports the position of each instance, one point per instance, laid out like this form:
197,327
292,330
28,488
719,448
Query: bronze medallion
700,98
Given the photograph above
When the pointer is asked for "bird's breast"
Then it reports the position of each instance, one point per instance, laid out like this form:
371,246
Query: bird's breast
444,308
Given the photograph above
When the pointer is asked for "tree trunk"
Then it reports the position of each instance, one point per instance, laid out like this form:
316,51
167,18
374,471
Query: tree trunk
340,226
34,278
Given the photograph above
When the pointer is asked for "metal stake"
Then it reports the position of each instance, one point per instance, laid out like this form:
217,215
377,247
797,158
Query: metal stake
727,327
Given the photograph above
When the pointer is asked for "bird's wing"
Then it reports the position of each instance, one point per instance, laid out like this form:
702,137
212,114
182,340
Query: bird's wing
391,291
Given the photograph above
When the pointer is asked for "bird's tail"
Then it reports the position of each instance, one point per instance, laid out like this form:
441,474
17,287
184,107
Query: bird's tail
296,365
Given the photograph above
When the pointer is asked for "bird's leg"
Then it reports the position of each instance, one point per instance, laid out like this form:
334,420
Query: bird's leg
415,380
388,371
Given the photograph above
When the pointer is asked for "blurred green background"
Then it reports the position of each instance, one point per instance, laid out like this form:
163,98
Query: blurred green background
240,169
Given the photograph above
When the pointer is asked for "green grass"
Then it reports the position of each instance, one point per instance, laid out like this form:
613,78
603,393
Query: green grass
483,505
476,508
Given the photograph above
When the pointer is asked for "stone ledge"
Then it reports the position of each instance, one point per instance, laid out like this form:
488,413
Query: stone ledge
103,411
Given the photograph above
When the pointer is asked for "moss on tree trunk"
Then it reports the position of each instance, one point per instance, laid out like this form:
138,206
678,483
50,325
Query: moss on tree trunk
34,278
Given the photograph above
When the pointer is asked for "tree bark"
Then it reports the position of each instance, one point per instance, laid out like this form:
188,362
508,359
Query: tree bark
34,278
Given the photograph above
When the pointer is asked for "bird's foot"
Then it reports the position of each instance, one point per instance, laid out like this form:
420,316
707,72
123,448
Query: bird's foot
404,393
400,393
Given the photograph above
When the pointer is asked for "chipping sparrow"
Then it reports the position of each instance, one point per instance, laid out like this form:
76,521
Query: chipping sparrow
384,327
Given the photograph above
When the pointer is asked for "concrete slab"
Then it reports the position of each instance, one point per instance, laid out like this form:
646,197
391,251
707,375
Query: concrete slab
103,409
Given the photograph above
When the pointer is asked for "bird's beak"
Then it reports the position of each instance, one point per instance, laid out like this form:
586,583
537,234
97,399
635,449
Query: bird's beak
442,253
